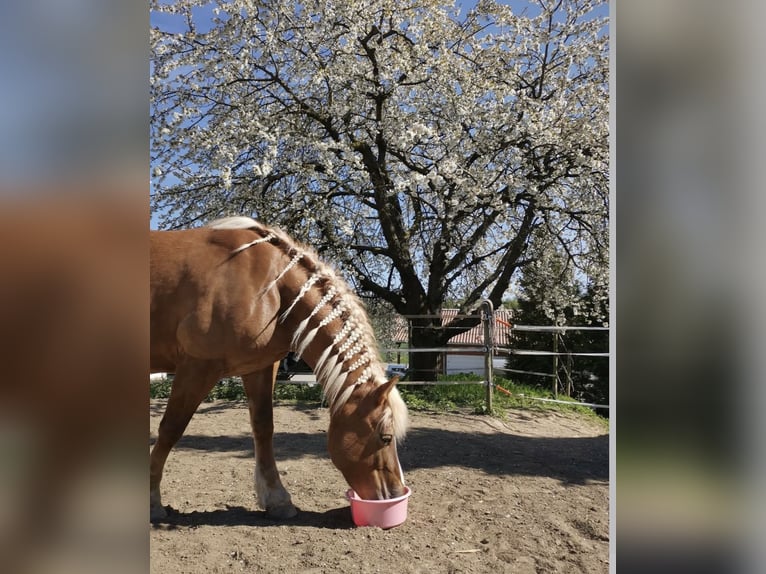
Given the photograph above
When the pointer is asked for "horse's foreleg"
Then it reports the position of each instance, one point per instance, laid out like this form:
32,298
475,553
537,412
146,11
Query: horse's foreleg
271,494
190,385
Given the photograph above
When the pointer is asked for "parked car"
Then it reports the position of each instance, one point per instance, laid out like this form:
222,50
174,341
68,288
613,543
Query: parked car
289,366
395,369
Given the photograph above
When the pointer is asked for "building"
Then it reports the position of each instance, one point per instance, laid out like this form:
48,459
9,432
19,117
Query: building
464,354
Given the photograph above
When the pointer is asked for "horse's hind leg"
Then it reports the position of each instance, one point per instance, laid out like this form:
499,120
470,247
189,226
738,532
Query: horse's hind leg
190,385
272,495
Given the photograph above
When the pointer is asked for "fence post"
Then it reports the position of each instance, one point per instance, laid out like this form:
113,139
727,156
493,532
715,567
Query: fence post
555,364
488,319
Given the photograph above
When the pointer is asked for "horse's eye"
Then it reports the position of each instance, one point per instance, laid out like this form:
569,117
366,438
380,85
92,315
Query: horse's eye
386,438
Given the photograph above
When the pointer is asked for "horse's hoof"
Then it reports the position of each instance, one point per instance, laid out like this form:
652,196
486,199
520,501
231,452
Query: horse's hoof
282,512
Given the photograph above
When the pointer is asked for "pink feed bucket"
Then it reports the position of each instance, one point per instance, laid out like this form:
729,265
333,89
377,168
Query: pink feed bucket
381,513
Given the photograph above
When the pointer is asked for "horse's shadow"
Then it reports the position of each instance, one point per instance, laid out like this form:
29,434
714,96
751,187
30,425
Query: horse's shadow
571,460
335,518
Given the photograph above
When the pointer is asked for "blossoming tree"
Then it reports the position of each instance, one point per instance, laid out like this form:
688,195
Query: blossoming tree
421,148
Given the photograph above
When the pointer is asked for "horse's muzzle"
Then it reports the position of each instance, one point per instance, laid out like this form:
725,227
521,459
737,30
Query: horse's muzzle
388,485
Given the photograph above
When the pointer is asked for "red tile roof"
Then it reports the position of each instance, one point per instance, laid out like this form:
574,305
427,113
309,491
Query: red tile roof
472,337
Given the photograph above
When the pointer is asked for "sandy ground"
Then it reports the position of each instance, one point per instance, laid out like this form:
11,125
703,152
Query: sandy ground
527,494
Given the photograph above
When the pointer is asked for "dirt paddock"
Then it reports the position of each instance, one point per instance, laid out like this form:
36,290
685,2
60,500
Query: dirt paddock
528,494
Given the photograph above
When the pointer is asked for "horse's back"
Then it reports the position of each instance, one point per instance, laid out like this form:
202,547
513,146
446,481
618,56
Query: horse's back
189,253
206,303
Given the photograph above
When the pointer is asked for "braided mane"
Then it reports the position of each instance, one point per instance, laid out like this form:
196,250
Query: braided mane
353,344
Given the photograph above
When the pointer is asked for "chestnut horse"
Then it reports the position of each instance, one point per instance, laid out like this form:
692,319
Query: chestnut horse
232,299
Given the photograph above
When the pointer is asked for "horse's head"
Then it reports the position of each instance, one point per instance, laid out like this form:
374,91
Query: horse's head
362,440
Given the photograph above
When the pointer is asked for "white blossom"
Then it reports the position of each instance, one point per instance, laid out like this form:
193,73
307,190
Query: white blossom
325,116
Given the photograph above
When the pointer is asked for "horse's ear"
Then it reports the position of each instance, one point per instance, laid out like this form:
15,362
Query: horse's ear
383,390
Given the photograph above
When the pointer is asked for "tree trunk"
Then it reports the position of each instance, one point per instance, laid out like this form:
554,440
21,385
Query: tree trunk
425,333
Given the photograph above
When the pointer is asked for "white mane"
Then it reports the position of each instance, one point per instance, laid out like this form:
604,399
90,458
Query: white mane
236,222
353,346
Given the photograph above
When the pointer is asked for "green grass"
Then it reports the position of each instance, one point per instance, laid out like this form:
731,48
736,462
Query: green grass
159,389
439,398
446,397
231,389
523,398
451,397
298,394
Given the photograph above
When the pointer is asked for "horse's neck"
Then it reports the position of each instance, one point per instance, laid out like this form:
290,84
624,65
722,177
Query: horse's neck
332,343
